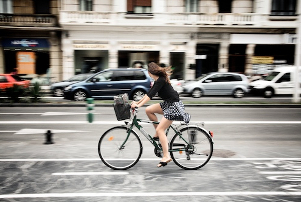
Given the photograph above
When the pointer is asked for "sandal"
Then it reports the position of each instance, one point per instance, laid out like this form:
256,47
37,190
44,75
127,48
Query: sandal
162,163
156,138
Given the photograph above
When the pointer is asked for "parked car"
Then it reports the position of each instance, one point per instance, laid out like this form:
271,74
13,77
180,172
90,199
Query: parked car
218,84
8,80
57,89
111,82
177,85
278,82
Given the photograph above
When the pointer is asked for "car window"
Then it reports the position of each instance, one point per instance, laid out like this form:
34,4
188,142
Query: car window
104,76
234,78
139,75
271,76
217,78
123,75
76,78
3,79
285,78
17,78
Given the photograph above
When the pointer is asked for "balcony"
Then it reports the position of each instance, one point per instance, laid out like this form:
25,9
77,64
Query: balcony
28,20
175,19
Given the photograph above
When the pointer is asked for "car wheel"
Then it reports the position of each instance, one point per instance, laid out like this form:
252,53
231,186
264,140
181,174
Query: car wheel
138,95
197,93
268,92
80,95
238,93
58,92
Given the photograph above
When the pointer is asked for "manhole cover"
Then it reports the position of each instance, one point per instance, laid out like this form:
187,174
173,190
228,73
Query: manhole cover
223,153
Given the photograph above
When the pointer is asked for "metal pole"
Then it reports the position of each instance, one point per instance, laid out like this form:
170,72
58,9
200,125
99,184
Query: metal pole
296,95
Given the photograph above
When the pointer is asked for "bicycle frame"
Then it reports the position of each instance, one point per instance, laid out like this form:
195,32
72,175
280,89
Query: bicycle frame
136,123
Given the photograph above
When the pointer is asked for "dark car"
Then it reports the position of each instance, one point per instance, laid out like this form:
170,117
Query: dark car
57,89
111,82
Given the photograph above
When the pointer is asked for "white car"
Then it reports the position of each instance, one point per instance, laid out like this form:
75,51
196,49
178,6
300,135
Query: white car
218,83
279,81
177,85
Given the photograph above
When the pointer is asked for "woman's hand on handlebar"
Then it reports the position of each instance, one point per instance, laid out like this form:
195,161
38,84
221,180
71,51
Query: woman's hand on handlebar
134,105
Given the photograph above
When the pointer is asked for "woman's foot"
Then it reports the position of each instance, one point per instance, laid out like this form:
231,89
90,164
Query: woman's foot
164,162
156,138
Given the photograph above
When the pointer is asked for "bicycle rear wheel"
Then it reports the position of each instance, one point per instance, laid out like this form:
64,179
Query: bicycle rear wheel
195,151
117,151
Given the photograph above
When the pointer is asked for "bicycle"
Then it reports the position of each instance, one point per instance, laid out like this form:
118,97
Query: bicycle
120,147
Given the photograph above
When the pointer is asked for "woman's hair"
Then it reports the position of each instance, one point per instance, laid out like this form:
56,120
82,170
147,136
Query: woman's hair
155,69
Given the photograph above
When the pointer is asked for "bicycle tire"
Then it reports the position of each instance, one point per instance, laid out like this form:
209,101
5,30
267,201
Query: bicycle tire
196,153
119,158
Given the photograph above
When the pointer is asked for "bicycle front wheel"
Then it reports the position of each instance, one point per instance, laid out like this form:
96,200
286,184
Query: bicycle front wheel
192,149
119,150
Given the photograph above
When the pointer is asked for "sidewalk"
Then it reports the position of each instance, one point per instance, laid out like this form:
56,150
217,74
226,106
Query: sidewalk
52,102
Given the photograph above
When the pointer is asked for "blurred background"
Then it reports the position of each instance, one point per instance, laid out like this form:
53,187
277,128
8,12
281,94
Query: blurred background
53,40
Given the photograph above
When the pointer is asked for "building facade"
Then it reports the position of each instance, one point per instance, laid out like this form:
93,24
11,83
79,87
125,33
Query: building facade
193,36
30,38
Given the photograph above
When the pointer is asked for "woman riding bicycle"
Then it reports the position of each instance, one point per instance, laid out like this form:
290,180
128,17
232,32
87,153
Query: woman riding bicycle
172,107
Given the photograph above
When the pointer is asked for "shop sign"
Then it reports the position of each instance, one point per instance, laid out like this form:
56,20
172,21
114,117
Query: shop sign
138,47
25,43
26,62
262,60
200,57
91,46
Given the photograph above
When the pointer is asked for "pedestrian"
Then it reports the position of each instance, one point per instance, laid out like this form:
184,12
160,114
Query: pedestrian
171,108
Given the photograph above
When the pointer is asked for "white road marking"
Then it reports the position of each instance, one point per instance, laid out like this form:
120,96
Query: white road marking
64,113
43,131
122,122
281,172
151,159
137,194
92,173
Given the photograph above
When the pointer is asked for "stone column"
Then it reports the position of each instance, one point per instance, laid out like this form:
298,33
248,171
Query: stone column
164,51
68,58
55,71
113,55
249,54
1,60
223,65
189,74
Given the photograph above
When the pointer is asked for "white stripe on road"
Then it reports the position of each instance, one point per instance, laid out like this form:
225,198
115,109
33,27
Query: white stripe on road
151,159
137,194
92,173
121,122
281,173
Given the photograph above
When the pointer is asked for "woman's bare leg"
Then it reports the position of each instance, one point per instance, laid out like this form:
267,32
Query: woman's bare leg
151,112
160,130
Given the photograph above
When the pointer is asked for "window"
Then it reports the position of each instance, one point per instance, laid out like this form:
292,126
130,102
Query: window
41,7
139,6
105,76
6,6
285,78
225,6
3,79
283,7
86,5
192,5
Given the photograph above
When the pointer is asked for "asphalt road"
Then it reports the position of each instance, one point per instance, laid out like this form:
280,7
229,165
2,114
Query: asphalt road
257,157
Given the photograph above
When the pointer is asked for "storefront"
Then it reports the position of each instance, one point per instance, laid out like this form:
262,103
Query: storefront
26,55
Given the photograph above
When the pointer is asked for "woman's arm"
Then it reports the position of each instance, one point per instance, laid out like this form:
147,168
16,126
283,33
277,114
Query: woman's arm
141,102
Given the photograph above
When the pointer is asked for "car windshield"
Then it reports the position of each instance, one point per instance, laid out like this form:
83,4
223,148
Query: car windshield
17,78
271,76
199,78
